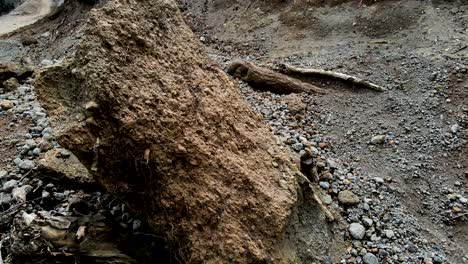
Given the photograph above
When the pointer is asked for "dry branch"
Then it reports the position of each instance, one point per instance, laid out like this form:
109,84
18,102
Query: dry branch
266,79
288,69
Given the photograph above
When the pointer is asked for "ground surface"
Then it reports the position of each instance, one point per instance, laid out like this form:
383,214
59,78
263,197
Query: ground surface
411,189
416,50
25,14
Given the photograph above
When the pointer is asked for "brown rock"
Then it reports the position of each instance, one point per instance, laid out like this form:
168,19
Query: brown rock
171,134
28,40
348,198
6,104
11,84
69,168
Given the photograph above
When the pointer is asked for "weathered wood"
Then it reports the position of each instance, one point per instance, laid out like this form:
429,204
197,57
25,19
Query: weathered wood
288,69
266,79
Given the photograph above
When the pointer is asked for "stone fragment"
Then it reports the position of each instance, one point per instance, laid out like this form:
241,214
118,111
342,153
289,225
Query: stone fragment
348,198
68,168
6,104
370,258
378,140
357,231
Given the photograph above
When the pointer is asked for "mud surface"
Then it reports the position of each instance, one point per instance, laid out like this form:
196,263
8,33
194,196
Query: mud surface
418,52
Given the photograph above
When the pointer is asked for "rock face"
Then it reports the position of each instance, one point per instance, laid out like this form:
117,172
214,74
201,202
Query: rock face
159,124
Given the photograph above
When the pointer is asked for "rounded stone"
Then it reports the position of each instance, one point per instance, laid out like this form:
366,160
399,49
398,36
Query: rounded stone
348,198
370,258
357,231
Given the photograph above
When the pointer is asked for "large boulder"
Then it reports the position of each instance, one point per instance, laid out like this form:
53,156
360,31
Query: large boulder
163,127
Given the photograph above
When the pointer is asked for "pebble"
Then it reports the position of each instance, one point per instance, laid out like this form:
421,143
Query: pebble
46,62
455,128
297,146
10,184
26,165
357,231
367,222
389,233
378,140
463,200
370,258
348,198
6,104
325,185
3,174
327,199
5,198
378,180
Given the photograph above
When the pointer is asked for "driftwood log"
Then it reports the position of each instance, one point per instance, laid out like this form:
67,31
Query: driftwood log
266,79
288,69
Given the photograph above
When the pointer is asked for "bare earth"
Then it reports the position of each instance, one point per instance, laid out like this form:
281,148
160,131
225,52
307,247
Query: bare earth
24,15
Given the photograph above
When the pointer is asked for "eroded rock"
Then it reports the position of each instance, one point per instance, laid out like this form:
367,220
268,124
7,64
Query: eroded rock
68,167
171,134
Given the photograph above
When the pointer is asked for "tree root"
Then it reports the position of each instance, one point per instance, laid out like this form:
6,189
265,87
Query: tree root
266,79
288,69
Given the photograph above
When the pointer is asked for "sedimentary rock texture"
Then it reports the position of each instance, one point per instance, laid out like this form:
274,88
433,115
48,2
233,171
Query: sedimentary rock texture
162,127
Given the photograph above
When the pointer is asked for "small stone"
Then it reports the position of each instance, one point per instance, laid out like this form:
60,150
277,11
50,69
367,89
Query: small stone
348,198
19,193
26,165
323,145
11,84
6,104
463,200
455,128
389,234
36,151
5,198
357,231
46,62
10,184
370,258
28,40
378,140
297,146
136,224
367,222
412,248
3,174
28,218
45,194
378,180
325,185
332,164
326,199
59,196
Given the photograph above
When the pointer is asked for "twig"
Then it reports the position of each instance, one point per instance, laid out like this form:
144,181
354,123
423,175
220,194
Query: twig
288,69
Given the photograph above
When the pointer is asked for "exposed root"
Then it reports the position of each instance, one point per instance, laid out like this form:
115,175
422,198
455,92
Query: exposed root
266,79
288,69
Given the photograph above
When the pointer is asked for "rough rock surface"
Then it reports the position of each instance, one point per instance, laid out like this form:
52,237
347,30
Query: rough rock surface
66,166
140,100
